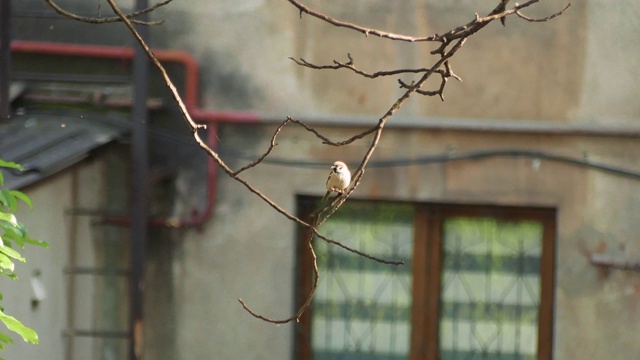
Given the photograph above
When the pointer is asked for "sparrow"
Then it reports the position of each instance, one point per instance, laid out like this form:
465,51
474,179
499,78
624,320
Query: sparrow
339,179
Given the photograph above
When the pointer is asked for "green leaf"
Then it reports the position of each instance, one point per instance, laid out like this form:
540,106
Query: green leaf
5,339
6,263
10,165
11,276
22,196
32,241
11,253
12,233
28,334
1,179
8,200
10,218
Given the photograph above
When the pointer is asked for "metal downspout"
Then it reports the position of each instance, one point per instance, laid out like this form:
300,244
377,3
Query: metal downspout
5,59
139,190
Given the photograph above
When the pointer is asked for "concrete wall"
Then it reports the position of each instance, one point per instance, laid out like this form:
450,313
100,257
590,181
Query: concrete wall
247,250
578,69
570,70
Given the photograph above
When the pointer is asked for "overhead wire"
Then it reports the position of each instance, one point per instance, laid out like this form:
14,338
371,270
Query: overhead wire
417,161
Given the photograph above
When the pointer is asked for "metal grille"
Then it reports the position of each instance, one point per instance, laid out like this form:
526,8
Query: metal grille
362,308
490,290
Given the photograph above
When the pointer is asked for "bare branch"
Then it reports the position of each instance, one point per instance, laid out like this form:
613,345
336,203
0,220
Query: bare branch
466,30
93,20
350,65
327,141
522,16
358,174
358,252
361,29
316,274
307,302
444,74
451,42
269,149
193,127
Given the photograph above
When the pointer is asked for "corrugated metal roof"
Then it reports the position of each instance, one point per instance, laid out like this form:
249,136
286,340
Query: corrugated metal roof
46,144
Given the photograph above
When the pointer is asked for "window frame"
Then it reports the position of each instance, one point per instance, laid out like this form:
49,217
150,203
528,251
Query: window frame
427,269
427,260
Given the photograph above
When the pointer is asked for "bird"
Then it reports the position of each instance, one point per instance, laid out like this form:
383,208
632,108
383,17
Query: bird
339,179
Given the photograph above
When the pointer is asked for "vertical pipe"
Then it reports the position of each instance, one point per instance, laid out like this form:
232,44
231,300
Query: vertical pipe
139,191
71,278
5,59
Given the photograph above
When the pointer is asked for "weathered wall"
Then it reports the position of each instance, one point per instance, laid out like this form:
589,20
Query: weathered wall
569,70
579,68
507,72
247,250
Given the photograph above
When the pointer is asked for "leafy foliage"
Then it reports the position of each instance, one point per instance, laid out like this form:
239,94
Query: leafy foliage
13,236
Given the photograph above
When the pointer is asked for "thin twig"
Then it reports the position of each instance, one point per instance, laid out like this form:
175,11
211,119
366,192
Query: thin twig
355,251
268,151
358,174
350,65
457,33
307,302
361,29
327,141
544,19
94,20
193,127
456,38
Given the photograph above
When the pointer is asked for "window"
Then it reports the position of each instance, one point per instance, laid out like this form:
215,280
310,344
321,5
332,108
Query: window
477,283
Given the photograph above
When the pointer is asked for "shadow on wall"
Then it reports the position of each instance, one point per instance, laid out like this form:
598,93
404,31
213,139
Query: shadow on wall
227,85
580,277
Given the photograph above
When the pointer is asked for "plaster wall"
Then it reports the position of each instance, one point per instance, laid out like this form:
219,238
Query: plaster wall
570,70
247,250
576,68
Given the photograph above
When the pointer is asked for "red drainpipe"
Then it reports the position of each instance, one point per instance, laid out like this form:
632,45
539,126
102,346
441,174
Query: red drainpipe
190,97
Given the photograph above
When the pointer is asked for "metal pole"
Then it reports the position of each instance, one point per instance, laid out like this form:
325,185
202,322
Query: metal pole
139,191
5,59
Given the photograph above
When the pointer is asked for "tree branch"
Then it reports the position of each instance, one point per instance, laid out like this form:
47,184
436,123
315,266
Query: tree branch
307,302
544,19
451,42
351,66
193,127
93,20
269,149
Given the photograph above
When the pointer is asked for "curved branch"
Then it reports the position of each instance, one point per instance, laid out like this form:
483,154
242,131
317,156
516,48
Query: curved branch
193,127
307,302
358,174
366,31
351,66
357,252
93,20
327,141
456,38
269,149
498,13
524,17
